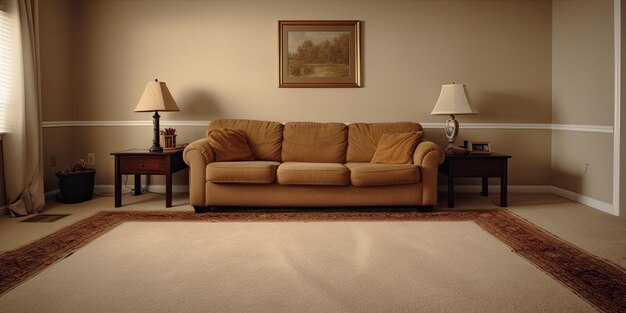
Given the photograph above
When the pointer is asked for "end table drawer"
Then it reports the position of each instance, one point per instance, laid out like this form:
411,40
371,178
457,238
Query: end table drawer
482,168
142,165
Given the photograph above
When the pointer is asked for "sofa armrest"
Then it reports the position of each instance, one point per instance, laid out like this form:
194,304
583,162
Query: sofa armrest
197,155
428,156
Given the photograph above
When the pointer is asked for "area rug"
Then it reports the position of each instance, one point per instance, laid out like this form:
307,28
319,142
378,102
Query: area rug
595,280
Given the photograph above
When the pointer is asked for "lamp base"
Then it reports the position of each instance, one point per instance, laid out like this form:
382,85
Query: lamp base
452,149
156,146
156,149
452,129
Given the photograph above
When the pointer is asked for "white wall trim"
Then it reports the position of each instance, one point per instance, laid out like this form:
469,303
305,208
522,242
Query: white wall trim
491,125
54,124
110,189
588,201
51,193
582,199
496,188
500,126
527,188
617,42
583,128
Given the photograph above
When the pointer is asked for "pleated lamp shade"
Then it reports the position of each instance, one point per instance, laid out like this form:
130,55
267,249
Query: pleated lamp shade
156,97
454,99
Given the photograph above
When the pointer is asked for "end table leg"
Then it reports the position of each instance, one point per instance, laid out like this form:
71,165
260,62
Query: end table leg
137,185
450,191
168,190
485,188
503,186
118,183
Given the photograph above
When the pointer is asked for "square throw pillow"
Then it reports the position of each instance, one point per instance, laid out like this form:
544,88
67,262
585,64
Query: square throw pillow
397,148
230,145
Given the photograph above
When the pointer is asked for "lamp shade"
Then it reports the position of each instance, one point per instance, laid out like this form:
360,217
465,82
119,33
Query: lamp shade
454,100
156,97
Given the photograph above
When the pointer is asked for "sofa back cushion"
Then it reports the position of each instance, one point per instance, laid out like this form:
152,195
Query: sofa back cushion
363,137
315,142
397,148
264,138
229,145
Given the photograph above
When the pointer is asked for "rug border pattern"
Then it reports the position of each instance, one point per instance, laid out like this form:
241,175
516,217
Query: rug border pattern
598,281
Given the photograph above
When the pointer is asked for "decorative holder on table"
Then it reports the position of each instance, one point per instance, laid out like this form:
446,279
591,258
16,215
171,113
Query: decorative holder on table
168,141
168,138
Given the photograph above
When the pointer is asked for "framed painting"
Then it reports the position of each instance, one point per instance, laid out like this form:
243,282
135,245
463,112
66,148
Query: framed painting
319,54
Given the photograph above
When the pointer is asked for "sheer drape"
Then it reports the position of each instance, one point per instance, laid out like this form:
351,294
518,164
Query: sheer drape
23,148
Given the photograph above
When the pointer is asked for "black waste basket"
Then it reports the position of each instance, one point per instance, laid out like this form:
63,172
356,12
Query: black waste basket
76,187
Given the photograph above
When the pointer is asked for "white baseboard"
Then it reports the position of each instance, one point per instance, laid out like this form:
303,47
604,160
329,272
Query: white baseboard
51,193
204,124
110,189
512,189
588,201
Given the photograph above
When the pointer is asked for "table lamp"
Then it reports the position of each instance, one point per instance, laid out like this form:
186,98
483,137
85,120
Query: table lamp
453,100
156,97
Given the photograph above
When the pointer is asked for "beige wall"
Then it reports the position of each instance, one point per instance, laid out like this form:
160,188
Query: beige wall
582,62
57,141
56,60
622,134
220,59
3,196
582,93
56,57
572,151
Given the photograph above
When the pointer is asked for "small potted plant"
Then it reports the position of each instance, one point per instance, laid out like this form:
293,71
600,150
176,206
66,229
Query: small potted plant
76,183
168,138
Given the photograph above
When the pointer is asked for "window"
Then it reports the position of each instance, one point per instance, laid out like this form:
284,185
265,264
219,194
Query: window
7,64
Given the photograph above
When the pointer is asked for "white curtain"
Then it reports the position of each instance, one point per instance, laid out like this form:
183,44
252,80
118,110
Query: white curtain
23,148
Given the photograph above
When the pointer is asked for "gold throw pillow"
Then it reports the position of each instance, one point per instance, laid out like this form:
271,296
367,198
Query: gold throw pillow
230,145
397,148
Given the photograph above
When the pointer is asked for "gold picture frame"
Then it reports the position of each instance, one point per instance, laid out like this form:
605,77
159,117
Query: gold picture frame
319,54
479,147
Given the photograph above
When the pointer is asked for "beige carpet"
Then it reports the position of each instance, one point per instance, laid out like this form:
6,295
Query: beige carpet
293,267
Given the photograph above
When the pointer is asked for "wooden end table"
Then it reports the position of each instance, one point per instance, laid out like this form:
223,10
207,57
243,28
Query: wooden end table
142,162
476,165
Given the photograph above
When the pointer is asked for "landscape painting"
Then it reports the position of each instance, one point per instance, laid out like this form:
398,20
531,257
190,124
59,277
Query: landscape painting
319,53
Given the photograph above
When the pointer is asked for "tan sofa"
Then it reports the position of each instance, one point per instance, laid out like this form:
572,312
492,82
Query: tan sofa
314,165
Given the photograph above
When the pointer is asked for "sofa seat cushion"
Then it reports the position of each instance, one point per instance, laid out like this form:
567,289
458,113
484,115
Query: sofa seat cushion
305,173
373,174
242,172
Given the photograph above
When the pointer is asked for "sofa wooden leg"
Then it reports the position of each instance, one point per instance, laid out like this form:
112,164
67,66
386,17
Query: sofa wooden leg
202,209
425,208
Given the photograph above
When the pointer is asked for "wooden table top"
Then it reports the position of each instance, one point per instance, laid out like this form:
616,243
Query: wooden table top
146,151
